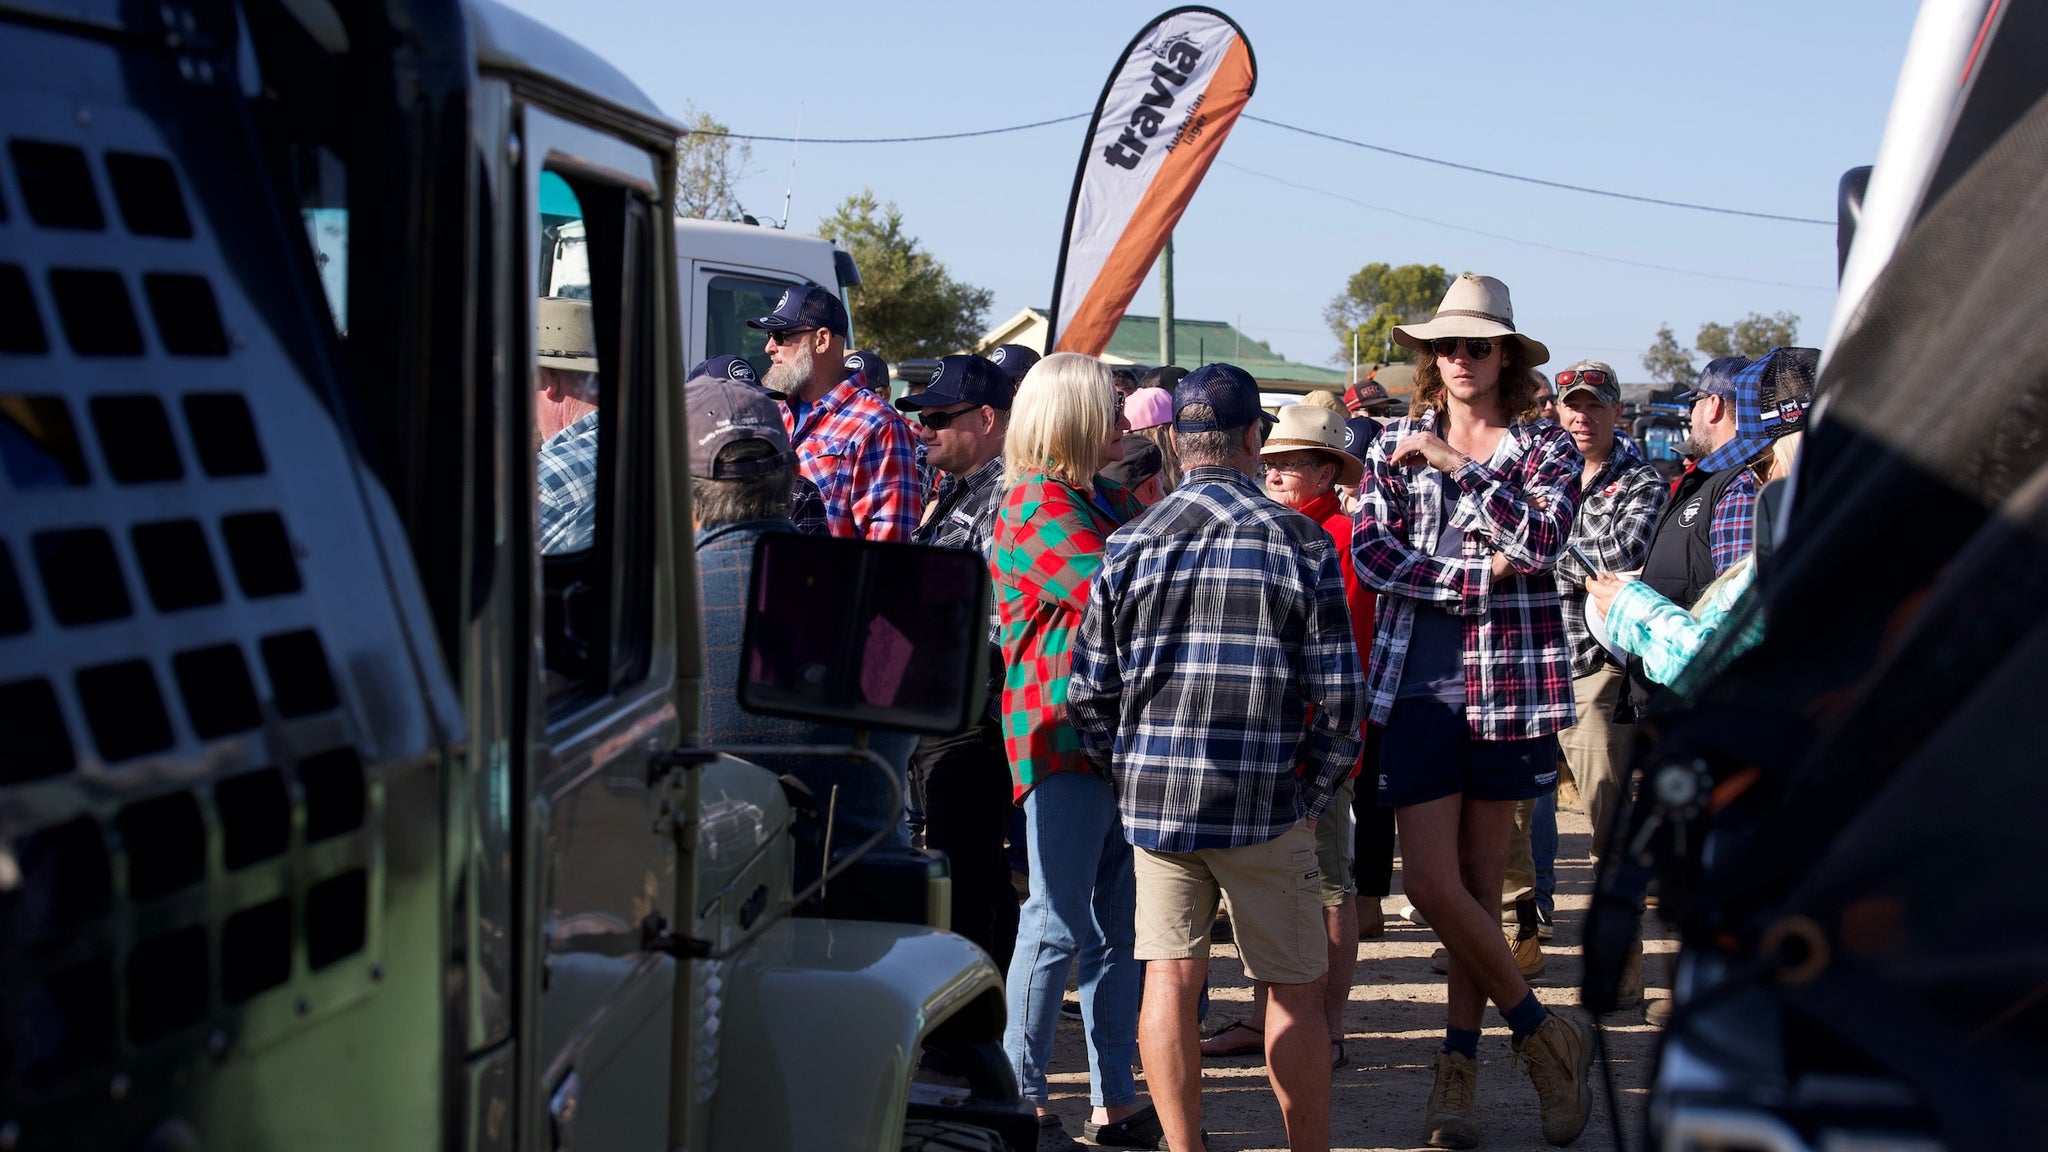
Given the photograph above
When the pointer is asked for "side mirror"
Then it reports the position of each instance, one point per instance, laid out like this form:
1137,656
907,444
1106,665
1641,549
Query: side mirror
866,635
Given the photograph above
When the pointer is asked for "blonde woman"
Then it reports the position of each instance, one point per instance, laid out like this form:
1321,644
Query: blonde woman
1056,512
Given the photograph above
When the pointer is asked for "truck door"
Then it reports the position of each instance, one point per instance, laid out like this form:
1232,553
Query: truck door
730,296
596,1049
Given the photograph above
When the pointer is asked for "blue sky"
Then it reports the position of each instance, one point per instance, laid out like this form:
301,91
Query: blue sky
1737,103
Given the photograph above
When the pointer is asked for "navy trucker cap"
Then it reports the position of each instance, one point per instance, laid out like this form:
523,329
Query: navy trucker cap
1716,379
734,368
962,380
874,371
1014,359
1229,391
805,306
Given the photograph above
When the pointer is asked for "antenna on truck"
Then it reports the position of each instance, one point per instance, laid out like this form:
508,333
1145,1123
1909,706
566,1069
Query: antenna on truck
790,189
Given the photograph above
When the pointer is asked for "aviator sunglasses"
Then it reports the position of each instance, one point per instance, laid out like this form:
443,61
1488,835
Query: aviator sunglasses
1476,347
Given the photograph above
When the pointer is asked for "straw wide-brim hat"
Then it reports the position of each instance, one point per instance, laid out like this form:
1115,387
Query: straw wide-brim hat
1307,428
564,336
1475,306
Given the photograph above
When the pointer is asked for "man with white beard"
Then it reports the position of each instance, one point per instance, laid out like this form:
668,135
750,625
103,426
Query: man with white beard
860,453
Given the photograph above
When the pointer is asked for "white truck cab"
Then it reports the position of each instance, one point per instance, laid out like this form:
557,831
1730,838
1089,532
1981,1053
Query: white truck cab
727,273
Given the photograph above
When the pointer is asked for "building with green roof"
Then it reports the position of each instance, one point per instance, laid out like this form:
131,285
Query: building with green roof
1195,342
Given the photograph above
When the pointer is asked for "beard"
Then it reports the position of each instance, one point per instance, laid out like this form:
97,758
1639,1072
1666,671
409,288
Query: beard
1695,446
790,376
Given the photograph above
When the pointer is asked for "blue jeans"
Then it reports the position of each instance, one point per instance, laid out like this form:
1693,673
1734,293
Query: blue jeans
1082,906
1543,848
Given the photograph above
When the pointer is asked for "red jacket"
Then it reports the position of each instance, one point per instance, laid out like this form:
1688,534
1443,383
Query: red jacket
1328,511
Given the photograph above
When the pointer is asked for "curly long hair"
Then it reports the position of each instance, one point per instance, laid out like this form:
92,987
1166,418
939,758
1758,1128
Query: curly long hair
1519,383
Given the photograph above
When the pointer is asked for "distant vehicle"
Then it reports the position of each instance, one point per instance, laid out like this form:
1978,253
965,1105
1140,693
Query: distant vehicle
334,812
1660,430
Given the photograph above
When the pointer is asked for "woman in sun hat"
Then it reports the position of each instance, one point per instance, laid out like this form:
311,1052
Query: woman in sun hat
1465,506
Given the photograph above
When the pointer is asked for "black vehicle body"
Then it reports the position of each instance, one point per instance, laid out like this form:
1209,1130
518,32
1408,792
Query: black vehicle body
1844,818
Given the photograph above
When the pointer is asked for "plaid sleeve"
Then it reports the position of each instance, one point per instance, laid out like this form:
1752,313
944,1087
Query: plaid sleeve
1664,634
1095,684
1380,549
1056,550
1528,519
887,494
807,508
1734,530
1333,681
1622,543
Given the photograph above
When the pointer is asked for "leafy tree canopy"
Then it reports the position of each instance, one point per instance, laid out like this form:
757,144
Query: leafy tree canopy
906,305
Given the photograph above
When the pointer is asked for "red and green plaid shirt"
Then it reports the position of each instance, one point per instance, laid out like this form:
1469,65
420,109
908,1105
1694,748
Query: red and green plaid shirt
1049,537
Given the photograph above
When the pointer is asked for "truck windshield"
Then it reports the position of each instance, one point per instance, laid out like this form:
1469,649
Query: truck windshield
730,302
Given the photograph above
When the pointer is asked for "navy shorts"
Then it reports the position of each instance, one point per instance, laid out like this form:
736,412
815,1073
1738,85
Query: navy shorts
1428,753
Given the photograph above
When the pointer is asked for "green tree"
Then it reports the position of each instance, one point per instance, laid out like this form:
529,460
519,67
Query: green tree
1377,297
1751,336
906,304
709,162
1669,364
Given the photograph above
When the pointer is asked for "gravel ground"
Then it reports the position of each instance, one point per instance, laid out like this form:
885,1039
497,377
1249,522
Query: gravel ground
1394,1028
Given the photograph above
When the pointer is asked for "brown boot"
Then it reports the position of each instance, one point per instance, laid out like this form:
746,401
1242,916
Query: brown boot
1529,957
1372,919
1559,1058
1629,993
1453,1102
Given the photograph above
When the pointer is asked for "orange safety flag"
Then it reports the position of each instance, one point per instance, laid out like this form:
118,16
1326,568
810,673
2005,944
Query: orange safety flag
1175,93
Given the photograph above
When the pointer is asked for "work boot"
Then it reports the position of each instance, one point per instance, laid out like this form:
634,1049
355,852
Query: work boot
1372,918
1529,957
1629,993
1558,1058
1453,1102
1658,1014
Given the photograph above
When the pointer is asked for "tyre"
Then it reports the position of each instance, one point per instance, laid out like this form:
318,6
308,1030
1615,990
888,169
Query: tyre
944,1136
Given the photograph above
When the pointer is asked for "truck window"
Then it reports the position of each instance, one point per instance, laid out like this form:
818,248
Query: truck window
592,350
730,302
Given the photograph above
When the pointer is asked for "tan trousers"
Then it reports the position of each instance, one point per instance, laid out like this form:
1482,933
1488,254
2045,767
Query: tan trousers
1596,751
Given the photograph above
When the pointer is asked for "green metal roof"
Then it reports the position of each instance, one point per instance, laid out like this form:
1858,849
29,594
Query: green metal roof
1198,342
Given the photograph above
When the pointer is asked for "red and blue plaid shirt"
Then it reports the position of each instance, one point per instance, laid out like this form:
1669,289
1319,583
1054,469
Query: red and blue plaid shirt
862,455
1521,503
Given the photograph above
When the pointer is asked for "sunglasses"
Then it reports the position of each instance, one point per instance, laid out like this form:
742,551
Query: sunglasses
1476,347
787,335
940,421
1593,376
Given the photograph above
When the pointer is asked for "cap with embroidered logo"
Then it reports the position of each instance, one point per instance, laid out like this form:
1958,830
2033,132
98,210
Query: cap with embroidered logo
805,306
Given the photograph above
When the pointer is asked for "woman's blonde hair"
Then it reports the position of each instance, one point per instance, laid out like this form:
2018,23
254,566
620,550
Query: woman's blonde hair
1783,456
1065,411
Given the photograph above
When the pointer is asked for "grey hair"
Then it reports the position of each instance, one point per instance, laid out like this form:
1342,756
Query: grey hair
1205,449
763,497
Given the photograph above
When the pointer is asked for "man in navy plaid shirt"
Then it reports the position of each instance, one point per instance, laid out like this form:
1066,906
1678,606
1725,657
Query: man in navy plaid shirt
1216,679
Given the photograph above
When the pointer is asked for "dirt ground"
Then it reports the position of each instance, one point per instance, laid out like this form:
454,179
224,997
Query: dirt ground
1394,1028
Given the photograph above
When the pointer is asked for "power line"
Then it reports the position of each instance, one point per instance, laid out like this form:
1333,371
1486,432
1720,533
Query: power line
1519,240
897,139
1536,180
1380,148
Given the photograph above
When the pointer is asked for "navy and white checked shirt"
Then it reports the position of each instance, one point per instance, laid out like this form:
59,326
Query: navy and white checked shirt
965,515
1617,515
1217,621
567,467
1733,532
807,507
1518,662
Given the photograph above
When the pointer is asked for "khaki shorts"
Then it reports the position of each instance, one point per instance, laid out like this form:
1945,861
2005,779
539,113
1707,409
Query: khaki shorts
1274,891
1335,847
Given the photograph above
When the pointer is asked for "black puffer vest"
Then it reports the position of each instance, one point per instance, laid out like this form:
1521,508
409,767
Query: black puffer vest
1679,567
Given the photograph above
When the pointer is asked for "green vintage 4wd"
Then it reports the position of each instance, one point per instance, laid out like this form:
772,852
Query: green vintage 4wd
334,814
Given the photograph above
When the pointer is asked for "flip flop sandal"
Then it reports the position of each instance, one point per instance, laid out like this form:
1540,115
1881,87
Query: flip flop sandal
1252,1043
1140,1129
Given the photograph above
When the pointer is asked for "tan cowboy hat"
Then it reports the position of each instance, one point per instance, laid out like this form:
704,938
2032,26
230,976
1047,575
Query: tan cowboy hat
1307,428
1475,306
564,336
